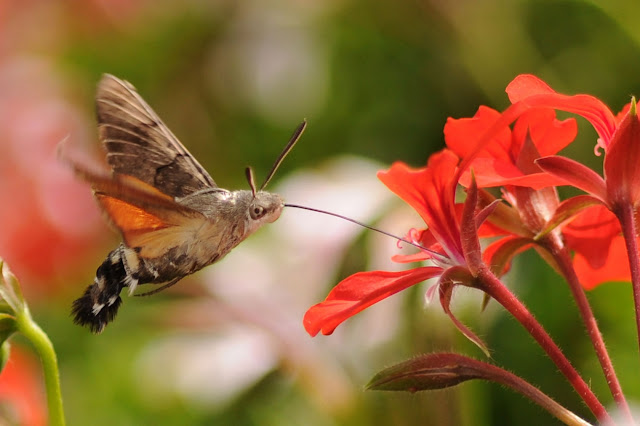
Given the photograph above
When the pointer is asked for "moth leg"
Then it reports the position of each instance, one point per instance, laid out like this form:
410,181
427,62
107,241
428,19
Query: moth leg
157,290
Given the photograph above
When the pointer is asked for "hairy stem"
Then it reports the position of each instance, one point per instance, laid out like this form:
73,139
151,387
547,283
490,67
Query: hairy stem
494,287
626,217
563,260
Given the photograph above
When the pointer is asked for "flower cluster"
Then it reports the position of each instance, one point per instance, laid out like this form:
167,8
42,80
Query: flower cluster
590,238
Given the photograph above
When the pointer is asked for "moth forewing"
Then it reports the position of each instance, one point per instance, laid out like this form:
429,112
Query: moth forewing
139,144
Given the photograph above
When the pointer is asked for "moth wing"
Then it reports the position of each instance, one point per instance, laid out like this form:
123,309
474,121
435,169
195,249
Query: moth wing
149,220
151,230
139,144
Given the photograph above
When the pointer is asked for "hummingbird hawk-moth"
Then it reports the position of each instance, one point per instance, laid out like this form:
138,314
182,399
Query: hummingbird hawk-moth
173,218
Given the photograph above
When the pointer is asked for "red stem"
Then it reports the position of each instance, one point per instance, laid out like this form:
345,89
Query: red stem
500,375
494,287
563,260
626,217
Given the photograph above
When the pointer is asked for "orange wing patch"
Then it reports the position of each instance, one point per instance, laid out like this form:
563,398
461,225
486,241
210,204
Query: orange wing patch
128,218
147,232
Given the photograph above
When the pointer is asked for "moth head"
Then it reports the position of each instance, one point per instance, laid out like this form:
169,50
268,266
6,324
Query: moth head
265,207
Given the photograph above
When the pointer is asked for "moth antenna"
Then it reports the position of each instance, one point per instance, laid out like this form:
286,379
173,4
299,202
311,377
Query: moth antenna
292,141
372,228
252,182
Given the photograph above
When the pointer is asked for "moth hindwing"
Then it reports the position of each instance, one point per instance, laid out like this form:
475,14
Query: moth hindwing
173,218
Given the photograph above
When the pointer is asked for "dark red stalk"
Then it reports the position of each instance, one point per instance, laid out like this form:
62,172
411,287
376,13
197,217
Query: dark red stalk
494,287
625,214
563,260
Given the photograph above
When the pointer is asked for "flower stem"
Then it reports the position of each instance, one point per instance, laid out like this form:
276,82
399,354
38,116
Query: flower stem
494,287
563,260
443,370
499,375
626,217
44,348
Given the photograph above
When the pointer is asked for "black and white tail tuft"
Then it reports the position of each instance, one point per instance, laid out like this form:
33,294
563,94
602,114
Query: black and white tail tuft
100,302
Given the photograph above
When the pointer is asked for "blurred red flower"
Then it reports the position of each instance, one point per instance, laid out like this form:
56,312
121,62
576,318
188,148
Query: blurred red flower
22,395
48,221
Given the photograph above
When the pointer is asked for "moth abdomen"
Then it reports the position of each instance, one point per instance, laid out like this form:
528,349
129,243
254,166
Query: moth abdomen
100,302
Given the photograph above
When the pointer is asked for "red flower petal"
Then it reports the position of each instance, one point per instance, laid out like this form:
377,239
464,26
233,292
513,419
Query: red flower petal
431,192
532,91
613,266
460,133
526,85
507,117
600,254
501,161
357,293
567,210
548,134
500,253
575,174
533,181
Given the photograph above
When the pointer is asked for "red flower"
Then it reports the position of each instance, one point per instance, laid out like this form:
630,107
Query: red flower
21,390
530,90
512,158
619,188
448,243
508,159
619,136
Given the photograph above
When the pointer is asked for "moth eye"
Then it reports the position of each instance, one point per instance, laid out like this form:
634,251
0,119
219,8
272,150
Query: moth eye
257,212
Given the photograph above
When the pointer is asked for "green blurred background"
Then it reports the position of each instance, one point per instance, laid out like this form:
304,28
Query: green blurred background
376,80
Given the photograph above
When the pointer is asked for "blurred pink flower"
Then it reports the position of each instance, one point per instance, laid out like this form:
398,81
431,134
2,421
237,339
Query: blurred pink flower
48,221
